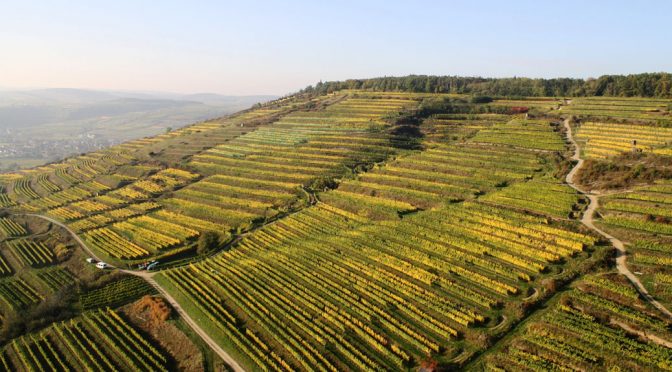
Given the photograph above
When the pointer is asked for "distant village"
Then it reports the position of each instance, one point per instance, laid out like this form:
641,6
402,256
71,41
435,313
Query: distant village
14,148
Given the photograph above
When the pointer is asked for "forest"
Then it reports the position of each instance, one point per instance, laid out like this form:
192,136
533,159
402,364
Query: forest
654,85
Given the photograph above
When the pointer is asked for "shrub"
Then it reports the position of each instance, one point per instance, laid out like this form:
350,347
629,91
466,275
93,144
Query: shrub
207,242
481,99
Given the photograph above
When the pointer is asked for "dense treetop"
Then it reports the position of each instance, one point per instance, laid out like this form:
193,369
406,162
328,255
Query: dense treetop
657,85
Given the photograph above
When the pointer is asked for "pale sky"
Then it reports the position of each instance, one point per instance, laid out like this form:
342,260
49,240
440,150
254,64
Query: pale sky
278,47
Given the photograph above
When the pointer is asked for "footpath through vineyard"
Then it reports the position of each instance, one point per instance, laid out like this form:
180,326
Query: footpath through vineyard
147,276
588,218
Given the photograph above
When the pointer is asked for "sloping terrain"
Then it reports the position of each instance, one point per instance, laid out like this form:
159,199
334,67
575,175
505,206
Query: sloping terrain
359,230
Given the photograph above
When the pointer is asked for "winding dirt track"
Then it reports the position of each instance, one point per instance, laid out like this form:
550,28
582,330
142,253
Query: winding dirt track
588,219
148,276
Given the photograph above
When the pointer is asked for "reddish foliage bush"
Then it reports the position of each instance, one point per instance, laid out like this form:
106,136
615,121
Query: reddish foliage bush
519,110
154,307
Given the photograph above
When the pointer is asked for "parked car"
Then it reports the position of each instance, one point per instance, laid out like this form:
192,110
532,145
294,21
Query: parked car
152,265
91,260
102,265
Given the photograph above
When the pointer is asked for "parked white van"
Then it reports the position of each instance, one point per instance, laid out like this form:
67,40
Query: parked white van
102,265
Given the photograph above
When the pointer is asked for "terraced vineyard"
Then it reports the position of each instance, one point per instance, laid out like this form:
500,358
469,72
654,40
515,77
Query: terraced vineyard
621,108
605,139
5,269
100,341
643,210
348,256
433,177
589,330
9,228
356,230
116,293
107,198
523,133
641,218
426,289
259,174
57,278
5,201
18,294
546,197
32,253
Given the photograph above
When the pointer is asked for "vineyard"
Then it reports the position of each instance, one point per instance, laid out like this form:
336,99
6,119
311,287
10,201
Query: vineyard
329,265
432,177
98,341
643,218
106,195
438,174
546,197
5,201
605,139
588,330
18,294
5,269
32,253
356,230
622,109
10,228
259,174
57,278
83,333
116,293
532,134
115,221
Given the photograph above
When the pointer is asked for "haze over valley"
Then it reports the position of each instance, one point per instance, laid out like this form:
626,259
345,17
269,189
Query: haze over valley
44,125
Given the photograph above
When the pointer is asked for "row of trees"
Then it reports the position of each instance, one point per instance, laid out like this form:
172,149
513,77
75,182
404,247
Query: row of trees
657,85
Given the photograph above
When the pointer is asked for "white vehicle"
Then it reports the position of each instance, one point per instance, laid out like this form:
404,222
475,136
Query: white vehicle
91,260
102,265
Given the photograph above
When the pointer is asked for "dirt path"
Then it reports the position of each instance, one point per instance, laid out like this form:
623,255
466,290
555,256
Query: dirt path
588,220
533,295
66,228
501,324
204,336
648,336
148,276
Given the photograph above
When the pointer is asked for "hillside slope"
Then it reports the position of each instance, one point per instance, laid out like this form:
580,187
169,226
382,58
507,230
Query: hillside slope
364,230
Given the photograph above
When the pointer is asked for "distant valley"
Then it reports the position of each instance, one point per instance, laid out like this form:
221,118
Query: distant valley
46,125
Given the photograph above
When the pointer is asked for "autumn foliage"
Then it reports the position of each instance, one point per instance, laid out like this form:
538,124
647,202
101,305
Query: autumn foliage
155,309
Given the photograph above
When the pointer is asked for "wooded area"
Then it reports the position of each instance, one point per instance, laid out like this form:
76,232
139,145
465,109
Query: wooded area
658,85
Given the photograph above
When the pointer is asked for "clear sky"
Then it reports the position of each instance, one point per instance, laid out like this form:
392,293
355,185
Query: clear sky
277,47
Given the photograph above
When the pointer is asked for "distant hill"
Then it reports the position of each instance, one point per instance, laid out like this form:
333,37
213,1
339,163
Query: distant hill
44,125
33,107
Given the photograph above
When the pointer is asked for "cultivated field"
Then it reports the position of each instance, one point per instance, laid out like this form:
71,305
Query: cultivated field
356,230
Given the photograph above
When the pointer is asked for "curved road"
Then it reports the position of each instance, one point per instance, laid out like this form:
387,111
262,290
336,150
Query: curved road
588,219
171,300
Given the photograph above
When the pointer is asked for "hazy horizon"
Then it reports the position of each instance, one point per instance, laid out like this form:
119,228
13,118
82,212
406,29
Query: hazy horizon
128,91
266,48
